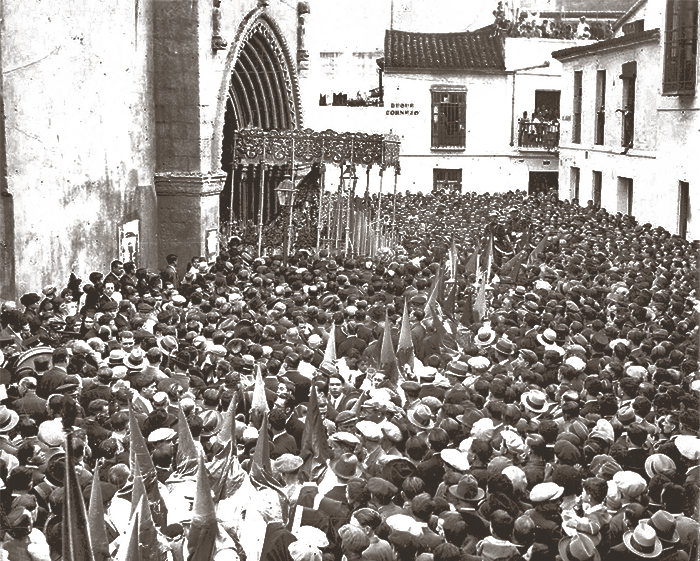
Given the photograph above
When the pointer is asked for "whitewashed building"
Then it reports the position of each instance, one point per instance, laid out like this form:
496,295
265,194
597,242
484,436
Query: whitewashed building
630,125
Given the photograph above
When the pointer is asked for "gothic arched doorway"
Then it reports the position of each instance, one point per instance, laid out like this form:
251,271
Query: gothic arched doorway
262,93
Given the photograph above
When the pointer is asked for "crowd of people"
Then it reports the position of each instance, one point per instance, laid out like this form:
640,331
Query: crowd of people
517,380
522,23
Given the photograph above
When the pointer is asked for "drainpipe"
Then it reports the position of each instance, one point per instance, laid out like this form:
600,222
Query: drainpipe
545,64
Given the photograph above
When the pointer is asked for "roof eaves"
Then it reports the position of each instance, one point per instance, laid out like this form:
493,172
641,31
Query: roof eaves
617,42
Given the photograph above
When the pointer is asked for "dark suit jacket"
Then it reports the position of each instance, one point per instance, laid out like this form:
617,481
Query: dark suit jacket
284,444
51,379
295,428
352,342
31,405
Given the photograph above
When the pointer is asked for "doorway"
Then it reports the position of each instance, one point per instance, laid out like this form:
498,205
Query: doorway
545,182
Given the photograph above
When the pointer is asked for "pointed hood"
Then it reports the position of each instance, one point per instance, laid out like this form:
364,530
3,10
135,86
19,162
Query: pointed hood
139,449
75,533
140,461
96,520
453,258
387,359
405,353
315,450
329,355
129,549
259,400
201,540
228,426
187,457
480,303
473,262
261,457
141,509
432,294
467,309
539,248
261,468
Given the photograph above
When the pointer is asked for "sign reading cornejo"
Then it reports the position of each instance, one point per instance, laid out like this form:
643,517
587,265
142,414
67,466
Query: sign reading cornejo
402,109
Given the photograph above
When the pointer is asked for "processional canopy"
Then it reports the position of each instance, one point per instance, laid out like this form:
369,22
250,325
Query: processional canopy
307,147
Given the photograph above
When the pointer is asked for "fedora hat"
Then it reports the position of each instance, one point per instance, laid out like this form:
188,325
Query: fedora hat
549,337
643,541
664,525
467,489
578,548
168,345
8,419
505,347
659,464
346,467
535,401
485,337
136,360
116,357
421,416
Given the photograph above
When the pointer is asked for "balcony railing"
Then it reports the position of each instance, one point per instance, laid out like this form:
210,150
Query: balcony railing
541,136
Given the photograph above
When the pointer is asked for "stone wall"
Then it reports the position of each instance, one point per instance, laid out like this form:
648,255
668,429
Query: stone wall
108,105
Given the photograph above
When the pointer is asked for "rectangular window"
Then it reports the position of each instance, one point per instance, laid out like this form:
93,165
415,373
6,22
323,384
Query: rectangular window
680,47
330,64
449,119
575,183
683,208
447,179
629,84
597,187
600,107
365,64
625,195
578,95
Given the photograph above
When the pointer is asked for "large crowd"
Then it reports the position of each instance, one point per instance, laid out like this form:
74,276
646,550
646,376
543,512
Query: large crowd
518,379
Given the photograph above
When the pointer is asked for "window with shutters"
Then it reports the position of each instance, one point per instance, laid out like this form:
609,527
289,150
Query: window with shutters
680,47
600,108
449,119
578,95
629,86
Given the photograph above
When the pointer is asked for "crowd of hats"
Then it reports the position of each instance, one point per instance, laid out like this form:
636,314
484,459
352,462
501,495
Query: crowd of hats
563,422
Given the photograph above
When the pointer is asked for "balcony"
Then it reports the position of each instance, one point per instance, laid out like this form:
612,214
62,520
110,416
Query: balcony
536,135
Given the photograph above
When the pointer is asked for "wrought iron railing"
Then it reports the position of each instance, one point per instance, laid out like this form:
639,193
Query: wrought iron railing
534,134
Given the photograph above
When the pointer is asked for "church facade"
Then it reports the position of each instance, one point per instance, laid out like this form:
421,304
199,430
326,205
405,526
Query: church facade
118,126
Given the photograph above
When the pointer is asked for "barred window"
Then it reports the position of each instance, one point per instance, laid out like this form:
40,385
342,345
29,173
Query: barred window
447,179
449,112
681,47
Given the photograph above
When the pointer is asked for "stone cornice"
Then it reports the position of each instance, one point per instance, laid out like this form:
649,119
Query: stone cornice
178,184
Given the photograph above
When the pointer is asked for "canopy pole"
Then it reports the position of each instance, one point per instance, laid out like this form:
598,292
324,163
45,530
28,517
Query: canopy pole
393,217
234,167
379,210
319,222
291,206
262,206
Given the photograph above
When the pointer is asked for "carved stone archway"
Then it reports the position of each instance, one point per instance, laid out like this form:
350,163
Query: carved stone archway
262,92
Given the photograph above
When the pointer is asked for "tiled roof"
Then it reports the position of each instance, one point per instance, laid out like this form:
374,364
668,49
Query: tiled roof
482,49
596,46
